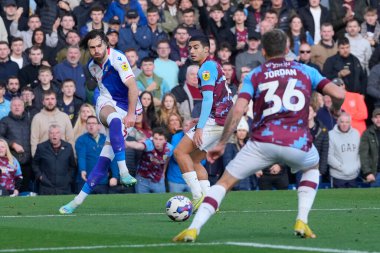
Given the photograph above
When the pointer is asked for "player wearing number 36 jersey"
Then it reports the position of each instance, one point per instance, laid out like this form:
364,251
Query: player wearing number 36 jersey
280,91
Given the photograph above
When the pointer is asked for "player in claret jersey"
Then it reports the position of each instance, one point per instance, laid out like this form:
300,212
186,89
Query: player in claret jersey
116,108
281,92
216,103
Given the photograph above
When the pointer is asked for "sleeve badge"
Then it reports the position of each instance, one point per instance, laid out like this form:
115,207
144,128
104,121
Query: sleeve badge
206,75
124,66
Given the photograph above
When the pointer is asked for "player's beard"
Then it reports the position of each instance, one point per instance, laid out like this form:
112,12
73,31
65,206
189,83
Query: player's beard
99,58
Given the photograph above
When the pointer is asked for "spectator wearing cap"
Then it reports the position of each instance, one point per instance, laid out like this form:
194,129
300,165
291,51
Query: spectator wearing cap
7,67
355,106
10,8
5,105
369,151
114,23
305,56
113,37
135,36
252,57
120,8
96,23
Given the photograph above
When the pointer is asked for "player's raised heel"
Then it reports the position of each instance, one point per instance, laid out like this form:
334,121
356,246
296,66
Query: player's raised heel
68,208
301,229
187,235
128,180
197,203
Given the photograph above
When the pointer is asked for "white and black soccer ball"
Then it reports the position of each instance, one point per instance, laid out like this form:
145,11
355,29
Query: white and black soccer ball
179,208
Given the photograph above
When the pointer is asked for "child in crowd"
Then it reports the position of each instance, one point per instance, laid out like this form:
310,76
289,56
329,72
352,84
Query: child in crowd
370,28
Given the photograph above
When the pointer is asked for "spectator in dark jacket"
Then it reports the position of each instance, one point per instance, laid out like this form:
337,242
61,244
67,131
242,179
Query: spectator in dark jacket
72,69
15,129
82,12
54,164
255,14
346,66
214,25
369,151
28,75
178,46
135,36
7,67
308,21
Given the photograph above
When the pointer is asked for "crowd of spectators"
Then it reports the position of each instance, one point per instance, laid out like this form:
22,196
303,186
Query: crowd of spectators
49,134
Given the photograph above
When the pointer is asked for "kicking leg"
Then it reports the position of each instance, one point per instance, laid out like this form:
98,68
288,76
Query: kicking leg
208,207
98,172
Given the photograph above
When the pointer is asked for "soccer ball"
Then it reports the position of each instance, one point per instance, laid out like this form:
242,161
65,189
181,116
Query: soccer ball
179,208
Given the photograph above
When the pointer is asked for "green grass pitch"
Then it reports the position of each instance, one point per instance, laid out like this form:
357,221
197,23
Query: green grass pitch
345,221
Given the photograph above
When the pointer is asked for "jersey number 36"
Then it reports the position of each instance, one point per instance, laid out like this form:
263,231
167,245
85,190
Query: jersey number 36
286,100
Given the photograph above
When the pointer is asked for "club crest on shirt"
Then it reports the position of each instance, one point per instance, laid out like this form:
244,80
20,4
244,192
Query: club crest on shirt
206,75
124,66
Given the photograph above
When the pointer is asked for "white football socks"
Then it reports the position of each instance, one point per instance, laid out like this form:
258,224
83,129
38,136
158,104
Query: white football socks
306,194
205,186
191,180
205,211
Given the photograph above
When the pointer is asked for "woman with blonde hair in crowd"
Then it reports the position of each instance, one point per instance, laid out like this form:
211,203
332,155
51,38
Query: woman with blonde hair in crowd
174,124
10,170
80,126
168,106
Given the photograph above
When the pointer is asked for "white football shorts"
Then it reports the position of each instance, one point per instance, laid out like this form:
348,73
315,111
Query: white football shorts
255,156
211,134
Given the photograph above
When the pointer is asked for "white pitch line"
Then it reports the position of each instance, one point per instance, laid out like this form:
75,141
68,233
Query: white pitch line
138,214
160,245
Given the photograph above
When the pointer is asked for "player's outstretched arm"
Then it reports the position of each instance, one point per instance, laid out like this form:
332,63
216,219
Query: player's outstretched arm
337,95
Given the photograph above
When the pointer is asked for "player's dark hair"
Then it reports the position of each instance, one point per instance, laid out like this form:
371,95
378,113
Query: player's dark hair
92,35
343,41
201,39
274,43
